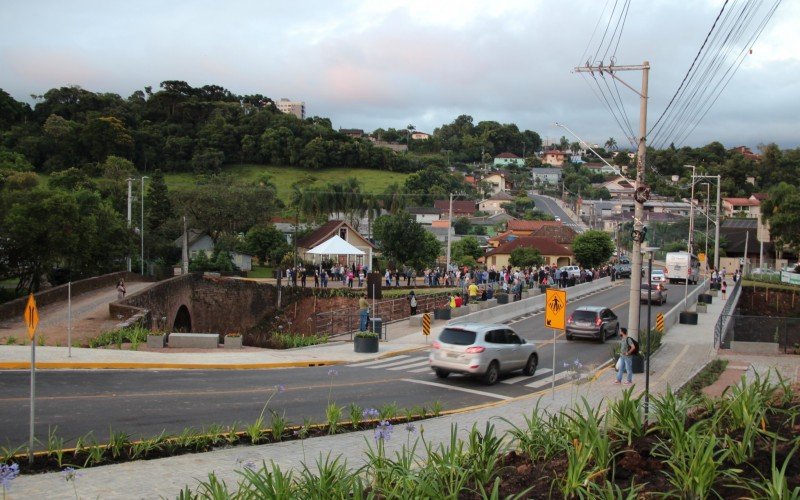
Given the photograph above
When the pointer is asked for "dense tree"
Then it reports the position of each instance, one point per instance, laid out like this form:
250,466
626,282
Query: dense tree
266,243
404,241
466,247
526,257
462,225
593,248
159,205
782,211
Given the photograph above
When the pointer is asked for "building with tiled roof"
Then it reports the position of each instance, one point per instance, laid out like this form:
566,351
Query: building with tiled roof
554,254
494,204
346,232
505,159
741,207
460,207
745,151
527,227
554,157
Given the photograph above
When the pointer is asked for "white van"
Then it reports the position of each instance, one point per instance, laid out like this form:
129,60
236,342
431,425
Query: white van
682,266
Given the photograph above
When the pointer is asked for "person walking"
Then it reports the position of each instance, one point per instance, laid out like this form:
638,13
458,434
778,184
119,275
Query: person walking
121,289
363,313
626,352
724,288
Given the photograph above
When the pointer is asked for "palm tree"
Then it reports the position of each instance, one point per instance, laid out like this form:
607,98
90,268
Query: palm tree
575,147
611,143
563,143
410,128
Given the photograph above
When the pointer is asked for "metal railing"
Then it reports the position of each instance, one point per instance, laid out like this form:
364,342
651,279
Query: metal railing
723,322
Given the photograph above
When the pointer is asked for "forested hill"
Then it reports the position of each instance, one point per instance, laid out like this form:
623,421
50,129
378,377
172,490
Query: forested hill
177,128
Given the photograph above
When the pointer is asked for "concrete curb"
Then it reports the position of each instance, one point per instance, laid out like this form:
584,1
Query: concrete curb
45,365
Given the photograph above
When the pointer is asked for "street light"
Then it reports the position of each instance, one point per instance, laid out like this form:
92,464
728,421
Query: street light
142,230
708,207
649,251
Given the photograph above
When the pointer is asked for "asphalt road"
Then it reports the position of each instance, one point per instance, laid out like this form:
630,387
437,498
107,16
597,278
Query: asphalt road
143,403
548,205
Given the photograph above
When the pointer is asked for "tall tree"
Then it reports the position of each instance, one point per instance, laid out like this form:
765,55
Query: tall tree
159,206
593,248
404,241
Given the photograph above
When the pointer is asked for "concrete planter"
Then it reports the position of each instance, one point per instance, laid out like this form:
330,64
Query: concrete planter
365,344
155,341
483,305
233,342
444,313
491,302
502,298
459,311
474,307
701,308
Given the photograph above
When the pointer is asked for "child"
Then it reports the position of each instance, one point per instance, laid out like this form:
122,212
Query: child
724,288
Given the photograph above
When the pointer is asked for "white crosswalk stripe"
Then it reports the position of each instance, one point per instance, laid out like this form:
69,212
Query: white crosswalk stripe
413,364
539,373
378,361
544,382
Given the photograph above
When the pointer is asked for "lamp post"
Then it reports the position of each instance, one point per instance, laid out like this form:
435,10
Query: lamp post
649,251
708,207
142,229
128,259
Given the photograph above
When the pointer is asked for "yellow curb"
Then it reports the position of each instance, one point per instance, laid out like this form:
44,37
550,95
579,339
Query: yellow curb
402,351
20,365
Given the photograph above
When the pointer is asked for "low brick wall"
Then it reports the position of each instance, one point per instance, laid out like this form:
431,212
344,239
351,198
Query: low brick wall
16,307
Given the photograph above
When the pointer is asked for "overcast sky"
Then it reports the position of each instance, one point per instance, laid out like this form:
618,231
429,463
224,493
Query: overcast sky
390,63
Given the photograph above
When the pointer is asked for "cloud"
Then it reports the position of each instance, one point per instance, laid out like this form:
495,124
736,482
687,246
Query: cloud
386,64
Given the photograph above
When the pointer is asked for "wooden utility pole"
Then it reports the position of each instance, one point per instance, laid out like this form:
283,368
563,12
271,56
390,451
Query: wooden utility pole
642,192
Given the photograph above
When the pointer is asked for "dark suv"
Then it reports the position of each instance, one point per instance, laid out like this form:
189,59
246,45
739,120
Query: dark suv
623,268
592,321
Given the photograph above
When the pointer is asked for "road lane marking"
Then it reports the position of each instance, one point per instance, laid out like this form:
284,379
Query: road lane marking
377,361
415,364
544,382
514,380
421,370
454,388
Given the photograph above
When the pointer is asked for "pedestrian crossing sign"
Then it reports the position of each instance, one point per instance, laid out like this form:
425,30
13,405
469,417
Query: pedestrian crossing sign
555,311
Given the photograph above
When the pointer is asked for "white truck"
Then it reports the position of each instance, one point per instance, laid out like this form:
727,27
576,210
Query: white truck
682,266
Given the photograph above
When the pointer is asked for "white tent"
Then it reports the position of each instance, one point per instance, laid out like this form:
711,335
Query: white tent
335,246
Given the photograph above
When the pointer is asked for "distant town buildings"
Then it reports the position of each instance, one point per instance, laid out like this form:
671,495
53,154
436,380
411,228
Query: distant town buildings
554,157
296,108
420,136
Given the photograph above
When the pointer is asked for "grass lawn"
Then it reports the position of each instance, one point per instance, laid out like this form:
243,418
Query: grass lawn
374,181
260,272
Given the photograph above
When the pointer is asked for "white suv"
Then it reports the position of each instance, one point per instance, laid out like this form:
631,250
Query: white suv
572,271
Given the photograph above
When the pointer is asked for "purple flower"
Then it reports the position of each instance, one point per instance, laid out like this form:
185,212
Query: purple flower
70,474
383,432
370,413
411,428
332,372
7,474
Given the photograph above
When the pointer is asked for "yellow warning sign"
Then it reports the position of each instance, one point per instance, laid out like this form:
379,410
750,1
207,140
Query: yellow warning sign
426,324
660,322
31,316
701,257
555,310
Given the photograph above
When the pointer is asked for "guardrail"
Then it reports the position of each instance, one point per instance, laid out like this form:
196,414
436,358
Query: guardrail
672,316
721,328
504,312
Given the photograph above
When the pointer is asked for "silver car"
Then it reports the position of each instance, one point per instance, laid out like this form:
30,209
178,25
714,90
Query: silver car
595,322
657,293
484,350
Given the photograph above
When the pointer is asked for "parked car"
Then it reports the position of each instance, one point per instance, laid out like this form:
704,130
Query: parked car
623,270
595,322
572,271
482,350
658,293
658,276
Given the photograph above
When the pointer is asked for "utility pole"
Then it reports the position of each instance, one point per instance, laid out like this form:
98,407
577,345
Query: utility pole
142,228
130,180
642,193
449,230
716,231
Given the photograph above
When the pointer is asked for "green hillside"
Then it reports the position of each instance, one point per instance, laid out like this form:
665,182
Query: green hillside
374,181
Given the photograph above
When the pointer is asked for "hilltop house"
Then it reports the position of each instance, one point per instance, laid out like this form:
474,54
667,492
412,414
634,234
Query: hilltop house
199,241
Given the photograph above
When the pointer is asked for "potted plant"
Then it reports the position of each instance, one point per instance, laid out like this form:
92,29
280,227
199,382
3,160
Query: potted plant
155,340
233,341
365,342
502,297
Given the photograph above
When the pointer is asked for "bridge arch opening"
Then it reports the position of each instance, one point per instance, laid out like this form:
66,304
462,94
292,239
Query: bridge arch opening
183,320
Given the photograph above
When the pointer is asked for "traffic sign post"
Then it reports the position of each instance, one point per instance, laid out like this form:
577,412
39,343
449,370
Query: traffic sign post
660,322
426,325
32,321
555,317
